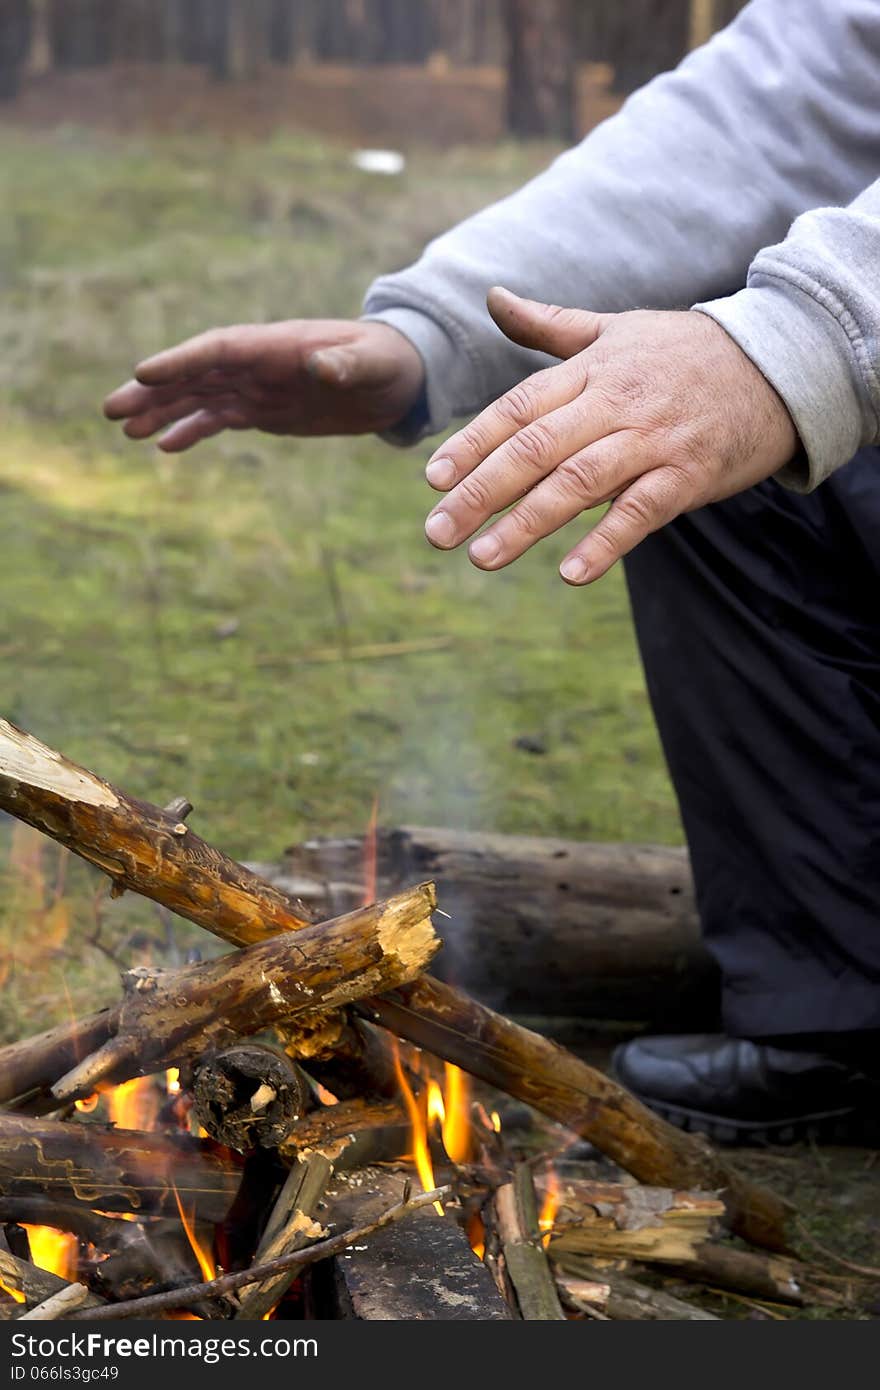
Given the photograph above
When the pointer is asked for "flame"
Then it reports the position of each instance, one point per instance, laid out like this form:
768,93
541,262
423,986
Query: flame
55,1251
457,1123
15,1294
206,1263
421,1152
172,1081
370,854
324,1096
549,1207
496,1121
133,1104
88,1103
436,1108
476,1234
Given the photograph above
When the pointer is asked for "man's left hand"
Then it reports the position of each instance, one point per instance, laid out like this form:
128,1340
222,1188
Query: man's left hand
658,413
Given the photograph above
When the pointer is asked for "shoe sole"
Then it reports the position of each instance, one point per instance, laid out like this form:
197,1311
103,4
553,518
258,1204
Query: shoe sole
848,1126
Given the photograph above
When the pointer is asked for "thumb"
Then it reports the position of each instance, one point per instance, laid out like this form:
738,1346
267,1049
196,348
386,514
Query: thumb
545,327
350,366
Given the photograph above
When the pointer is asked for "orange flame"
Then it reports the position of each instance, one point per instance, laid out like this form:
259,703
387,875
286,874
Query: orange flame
172,1081
549,1207
133,1104
88,1103
55,1251
324,1096
370,855
421,1152
15,1294
436,1108
476,1234
206,1263
496,1121
457,1123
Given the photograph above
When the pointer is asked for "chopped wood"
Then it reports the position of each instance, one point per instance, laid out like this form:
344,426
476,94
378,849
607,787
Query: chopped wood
524,1255
169,1017
352,1133
79,1165
290,1227
249,1095
300,1259
615,1220
623,1299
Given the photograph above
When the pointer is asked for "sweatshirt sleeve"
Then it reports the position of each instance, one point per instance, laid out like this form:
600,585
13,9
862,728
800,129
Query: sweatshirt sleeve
665,204
809,318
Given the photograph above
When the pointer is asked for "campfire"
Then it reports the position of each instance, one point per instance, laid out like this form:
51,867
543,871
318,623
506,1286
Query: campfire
264,1133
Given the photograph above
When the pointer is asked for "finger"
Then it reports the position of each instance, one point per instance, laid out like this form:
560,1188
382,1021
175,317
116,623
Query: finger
525,403
220,349
202,424
545,327
353,366
135,399
517,466
586,479
653,500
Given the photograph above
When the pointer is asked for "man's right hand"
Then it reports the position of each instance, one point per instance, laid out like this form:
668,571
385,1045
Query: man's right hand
321,376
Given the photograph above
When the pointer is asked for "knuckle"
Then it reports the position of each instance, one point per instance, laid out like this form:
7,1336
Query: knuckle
529,521
474,494
517,407
578,476
534,447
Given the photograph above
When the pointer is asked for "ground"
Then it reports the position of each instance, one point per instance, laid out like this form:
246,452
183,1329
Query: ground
204,626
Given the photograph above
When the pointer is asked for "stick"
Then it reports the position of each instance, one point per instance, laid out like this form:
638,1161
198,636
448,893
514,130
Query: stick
525,1258
29,1282
301,1259
58,1305
626,1300
290,1227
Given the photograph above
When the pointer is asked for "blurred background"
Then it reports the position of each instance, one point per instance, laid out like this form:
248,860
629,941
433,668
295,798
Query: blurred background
259,625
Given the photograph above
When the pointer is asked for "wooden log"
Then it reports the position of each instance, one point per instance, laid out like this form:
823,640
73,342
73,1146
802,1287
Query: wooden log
58,1304
352,1133
169,1017
774,1278
291,1227
29,1284
427,1012
538,926
137,844
614,1221
248,1096
524,1255
525,1065
623,1299
92,1166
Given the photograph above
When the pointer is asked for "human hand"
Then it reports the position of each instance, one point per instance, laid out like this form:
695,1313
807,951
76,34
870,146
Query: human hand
661,412
308,377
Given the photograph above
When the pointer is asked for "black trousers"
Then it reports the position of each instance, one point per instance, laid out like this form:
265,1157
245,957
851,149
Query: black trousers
758,621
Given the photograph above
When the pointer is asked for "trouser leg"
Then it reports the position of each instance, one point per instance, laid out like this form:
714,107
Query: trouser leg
757,620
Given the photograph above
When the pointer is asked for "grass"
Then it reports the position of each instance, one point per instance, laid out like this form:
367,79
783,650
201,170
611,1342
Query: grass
167,622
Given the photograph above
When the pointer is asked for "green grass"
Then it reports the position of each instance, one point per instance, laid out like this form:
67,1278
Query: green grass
120,568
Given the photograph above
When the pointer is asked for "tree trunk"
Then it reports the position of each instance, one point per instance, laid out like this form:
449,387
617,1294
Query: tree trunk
541,69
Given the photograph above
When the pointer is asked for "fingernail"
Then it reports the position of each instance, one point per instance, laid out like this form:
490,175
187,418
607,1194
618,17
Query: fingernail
573,570
440,473
485,550
439,528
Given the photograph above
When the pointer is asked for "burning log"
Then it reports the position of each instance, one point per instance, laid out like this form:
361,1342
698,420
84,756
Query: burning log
249,1096
622,1299
525,1259
90,1166
98,822
629,1222
29,1284
169,1017
352,1133
444,1021
538,925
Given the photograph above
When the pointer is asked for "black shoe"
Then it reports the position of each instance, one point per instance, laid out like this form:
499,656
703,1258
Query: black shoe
741,1092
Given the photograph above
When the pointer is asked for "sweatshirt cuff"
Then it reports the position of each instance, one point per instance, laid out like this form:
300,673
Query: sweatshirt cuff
807,357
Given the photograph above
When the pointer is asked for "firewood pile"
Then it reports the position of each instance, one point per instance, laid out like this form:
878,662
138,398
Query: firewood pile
318,1102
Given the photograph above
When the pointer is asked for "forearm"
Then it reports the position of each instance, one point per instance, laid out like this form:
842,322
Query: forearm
665,204
809,318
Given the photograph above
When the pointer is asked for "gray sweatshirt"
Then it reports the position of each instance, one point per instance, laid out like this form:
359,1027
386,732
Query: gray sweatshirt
744,185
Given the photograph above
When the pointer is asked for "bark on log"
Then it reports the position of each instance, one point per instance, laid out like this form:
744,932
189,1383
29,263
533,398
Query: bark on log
524,1255
249,1096
538,926
291,1227
377,1130
629,1222
138,845
30,1284
427,1012
774,1278
168,1017
533,1069
90,1166
623,1299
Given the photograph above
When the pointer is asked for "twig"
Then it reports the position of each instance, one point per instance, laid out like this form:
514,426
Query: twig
869,1271
57,1304
525,1257
301,1259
